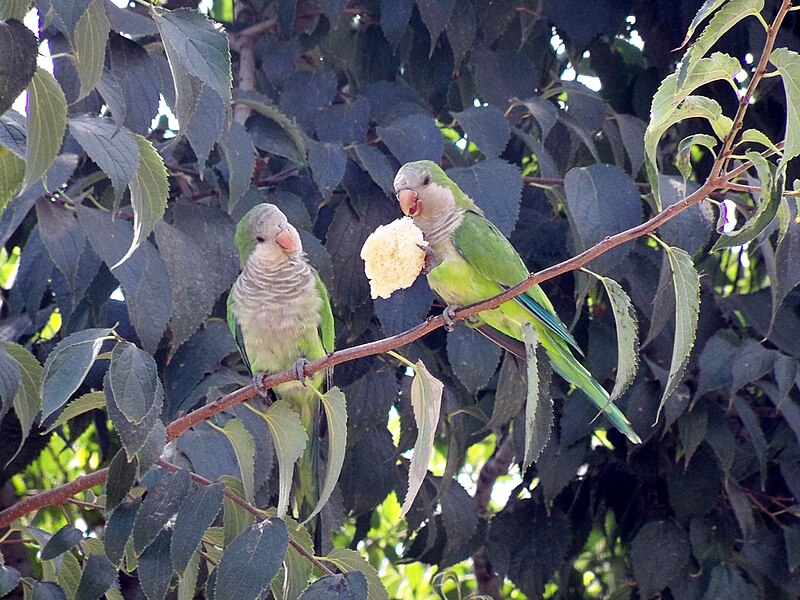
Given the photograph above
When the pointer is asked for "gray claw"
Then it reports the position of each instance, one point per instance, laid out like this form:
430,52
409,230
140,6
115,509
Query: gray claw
448,313
430,258
300,369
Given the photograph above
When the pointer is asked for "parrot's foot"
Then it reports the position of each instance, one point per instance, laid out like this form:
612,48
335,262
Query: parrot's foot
299,368
258,381
448,313
430,259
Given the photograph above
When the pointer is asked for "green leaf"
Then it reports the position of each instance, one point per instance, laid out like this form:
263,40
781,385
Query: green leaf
627,336
98,575
788,64
69,574
296,570
347,561
771,189
89,41
121,476
347,586
709,6
160,504
687,310
62,540
153,570
200,46
426,400
187,584
18,50
133,376
659,552
67,365
47,120
83,404
14,9
149,192
119,525
251,561
12,172
684,154
295,150
290,439
245,449
757,137
538,404
336,415
28,399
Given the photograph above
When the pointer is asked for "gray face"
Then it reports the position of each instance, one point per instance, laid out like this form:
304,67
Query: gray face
411,177
276,240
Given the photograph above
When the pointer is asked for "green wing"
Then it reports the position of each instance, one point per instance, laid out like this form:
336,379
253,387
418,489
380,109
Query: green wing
236,330
491,254
326,331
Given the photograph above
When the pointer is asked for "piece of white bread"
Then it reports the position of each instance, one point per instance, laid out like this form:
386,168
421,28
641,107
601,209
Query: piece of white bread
392,257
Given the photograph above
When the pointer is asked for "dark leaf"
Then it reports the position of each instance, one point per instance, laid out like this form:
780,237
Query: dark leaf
97,577
728,582
742,509
208,122
344,123
138,82
406,308
121,475
9,579
118,529
715,362
18,50
327,162
751,362
133,377
68,13
755,433
375,162
155,572
35,269
129,21
67,365
160,504
501,76
693,491
268,135
496,187
601,201
435,14
305,94
237,147
194,517
394,19
689,229
659,552
47,590
461,31
369,472
12,132
9,380
557,465
368,402
509,397
607,15
486,127
251,561
111,146
411,138
333,9
692,428
472,357
459,516
133,435
62,540
787,266
345,586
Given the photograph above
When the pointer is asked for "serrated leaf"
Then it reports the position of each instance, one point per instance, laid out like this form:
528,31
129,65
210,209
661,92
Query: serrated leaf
327,163
426,400
659,552
709,6
113,148
250,562
788,64
290,439
98,575
627,336
296,570
347,560
486,127
160,504
67,365
683,156
336,415
538,403
194,517
346,586
187,585
47,120
292,147
12,173
200,45
153,570
121,476
687,311
473,357
79,406
149,191
69,575
413,137
209,120
245,449
133,376
9,579
435,14
89,41
9,380
47,590
18,50
240,154
496,186
374,162
62,540
119,526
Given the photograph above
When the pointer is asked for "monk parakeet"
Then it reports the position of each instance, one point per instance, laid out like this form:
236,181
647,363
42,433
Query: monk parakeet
473,261
280,315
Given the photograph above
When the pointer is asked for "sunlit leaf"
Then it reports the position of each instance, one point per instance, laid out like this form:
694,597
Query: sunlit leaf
426,400
245,449
290,439
90,40
538,403
709,6
627,336
683,156
12,172
788,64
47,120
83,404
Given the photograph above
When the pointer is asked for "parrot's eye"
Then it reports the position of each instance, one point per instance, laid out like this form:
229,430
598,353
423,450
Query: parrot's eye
427,180
261,239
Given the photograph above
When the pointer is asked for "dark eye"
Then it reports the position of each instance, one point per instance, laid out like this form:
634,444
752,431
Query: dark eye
260,239
426,181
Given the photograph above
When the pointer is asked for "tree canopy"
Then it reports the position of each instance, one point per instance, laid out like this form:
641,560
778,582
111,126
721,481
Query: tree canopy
637,154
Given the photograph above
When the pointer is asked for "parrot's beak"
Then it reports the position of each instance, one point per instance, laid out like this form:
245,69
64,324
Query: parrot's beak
284,240
409,202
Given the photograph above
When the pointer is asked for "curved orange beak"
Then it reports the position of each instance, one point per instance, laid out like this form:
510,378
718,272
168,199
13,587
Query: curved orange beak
284,240
409,202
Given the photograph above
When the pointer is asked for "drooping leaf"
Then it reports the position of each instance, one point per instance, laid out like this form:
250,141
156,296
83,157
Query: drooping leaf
348,561
282,137
67,365
9,579
344,123
538,403
121,475
154,572
346,586
149,191
435,14
98,576
394,19
134,74
486,127
627,336
690,229
12,172
244,448
83,404
162,501
9,380
426,400
28,399
187,583
62,540
461,31
335,407
47,120
240,154
47,590
195,516
659,552
18,47
327,162
496,187
727,581
686,282
293,576
786,61
90,41
631,130
290,439
414,137
709,6
374,162
133,376
119,526
472,356
787,268
251,561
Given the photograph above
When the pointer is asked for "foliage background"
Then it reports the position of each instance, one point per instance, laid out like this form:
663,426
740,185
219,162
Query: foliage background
344,92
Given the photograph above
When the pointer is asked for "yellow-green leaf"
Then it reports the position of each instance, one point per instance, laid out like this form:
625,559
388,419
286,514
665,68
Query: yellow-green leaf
538,403
47,120
627,336
426,400
149,192
90,41
788,64
263,106
293,577
347,561
83,404
14,9
336,415
28,400
290,439
709,6
245,449
12,172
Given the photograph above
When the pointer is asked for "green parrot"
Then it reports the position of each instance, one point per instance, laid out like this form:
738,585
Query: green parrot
280,315
471,261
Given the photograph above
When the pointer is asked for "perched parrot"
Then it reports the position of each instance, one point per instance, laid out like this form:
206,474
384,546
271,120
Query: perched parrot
473,261
280,315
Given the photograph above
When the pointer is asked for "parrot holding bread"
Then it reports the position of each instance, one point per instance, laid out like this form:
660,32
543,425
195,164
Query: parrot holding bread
473,261
280,315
